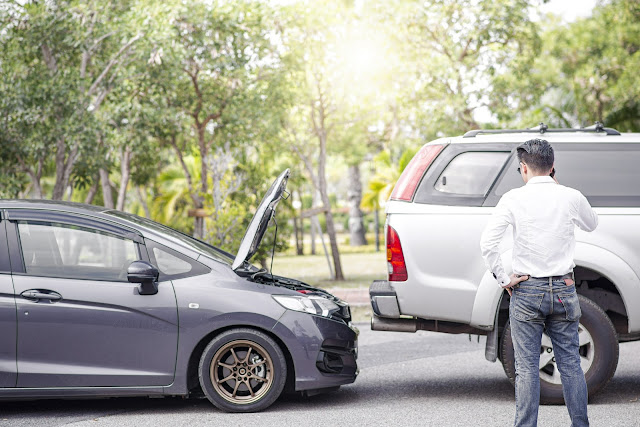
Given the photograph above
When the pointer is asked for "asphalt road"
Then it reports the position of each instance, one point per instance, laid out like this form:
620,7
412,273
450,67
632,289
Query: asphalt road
424,379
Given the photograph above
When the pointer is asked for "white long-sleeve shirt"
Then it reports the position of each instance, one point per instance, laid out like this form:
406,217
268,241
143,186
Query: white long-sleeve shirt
544,216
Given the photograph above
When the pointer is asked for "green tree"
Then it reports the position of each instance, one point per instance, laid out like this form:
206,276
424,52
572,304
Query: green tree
583,72
60,61
216,82
451,48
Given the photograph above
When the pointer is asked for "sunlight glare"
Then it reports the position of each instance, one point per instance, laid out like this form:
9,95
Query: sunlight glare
363,62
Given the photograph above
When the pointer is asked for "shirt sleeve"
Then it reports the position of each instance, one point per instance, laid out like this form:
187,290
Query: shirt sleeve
586,218
491,237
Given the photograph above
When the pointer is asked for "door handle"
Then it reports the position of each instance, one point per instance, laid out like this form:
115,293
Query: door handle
39,294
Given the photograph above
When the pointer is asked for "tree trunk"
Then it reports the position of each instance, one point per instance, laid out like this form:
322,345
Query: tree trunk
37,187
92,192
376,225
125,173
198,224
143,202
331,230
70,193
335,254
318,115
64,166
312,229
107,196
298,223
354,195
296,233
60,185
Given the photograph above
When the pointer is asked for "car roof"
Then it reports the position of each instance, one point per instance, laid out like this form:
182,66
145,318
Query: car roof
552,137
125,219
51,204
99,212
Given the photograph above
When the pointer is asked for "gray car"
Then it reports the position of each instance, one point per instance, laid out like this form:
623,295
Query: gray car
98,302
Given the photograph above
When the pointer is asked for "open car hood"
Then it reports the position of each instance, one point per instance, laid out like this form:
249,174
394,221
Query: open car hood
260,221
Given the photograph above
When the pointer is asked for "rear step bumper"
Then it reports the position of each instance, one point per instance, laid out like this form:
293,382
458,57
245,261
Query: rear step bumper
386,315
383,299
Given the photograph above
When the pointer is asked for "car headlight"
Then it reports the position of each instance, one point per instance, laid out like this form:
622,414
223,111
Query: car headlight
308,304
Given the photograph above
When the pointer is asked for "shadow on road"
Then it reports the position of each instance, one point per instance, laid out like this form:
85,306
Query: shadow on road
370,393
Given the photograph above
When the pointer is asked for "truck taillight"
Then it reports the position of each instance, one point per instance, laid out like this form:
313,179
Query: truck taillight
395,259
412,174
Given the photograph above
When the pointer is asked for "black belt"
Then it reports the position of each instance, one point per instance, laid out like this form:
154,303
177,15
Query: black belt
564,276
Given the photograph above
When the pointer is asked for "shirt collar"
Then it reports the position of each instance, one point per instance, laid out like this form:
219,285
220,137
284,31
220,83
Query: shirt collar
541,180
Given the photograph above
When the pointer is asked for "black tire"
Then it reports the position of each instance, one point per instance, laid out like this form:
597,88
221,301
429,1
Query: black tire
605,354
249,370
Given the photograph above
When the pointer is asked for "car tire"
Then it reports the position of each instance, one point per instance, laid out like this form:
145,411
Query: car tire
601,349
242,370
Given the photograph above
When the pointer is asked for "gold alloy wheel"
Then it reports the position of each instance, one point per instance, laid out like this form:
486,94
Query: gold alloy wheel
241,372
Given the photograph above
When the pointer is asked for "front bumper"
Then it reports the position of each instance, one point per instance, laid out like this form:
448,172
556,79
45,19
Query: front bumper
323,351
384,301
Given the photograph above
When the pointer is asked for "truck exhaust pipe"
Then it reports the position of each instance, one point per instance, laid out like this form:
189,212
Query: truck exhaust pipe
414,324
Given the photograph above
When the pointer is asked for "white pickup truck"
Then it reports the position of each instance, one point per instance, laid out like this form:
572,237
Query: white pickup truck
437,280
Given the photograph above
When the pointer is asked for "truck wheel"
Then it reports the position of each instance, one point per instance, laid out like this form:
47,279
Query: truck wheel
242,370
598,354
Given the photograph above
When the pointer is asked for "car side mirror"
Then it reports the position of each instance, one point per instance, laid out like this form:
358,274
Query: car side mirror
146,274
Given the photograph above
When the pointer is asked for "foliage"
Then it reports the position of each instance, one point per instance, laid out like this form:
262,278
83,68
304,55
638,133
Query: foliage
174,106
582,73
387,174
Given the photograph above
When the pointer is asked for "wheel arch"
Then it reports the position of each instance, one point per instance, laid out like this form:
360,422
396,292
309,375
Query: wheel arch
193,383
619,282
591,261
615,281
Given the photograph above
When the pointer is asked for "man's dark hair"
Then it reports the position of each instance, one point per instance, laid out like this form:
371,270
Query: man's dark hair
537,154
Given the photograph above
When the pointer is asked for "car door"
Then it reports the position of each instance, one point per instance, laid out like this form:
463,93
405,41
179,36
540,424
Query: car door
80,322
8,372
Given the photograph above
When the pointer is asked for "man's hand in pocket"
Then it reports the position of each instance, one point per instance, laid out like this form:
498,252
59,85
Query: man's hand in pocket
515,279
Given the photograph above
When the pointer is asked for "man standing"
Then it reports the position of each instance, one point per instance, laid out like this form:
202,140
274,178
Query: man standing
543,215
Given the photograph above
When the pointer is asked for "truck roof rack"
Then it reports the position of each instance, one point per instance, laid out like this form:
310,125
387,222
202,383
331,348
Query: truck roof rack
542,128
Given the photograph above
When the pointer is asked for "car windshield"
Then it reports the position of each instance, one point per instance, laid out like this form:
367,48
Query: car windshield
195,244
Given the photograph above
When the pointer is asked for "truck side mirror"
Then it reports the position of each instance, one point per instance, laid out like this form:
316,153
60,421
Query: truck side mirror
146,274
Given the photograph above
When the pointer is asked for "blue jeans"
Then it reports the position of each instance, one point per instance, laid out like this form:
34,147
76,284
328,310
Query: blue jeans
538,305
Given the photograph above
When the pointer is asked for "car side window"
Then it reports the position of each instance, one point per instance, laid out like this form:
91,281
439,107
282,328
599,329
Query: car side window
471,173
70,251
606,176
172,264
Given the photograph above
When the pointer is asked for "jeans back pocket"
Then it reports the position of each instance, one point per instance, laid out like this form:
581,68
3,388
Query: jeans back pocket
571,305
524,305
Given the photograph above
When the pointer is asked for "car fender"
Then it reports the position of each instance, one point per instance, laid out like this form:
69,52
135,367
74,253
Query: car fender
488,297
193,335
211,304
619,272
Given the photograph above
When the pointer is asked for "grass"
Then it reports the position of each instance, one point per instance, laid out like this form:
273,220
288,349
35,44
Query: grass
361,313
359,269
360,265
343,245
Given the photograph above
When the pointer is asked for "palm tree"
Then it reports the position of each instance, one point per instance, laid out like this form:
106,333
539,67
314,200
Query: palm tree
381,184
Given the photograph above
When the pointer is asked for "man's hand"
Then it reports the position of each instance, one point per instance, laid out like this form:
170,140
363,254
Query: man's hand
568,282
515,279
